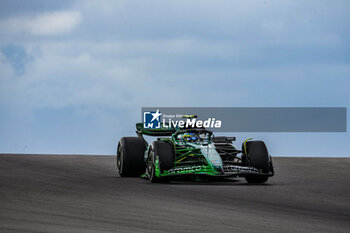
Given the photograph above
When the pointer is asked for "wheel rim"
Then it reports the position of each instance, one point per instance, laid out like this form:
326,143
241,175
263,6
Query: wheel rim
151,166
152,172
120,159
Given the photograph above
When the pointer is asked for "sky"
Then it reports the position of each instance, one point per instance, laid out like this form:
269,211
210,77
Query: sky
75,74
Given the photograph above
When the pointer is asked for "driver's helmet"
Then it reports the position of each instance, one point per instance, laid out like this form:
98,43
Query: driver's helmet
190,137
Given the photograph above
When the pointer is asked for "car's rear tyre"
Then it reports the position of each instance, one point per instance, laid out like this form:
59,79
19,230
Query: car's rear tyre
166,157
130,156
258,157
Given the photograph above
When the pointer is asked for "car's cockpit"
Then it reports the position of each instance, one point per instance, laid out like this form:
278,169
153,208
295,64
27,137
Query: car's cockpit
193,137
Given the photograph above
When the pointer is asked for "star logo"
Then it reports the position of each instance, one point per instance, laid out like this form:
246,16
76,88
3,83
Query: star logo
151,120
156,115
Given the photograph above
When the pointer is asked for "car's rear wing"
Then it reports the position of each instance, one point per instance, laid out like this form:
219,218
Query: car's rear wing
140,130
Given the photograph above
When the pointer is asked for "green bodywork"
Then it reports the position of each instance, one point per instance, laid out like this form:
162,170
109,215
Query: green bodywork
190,158
196,152
211,160
199,155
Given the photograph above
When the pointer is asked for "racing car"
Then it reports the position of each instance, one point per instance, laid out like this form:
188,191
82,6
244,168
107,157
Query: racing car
192,152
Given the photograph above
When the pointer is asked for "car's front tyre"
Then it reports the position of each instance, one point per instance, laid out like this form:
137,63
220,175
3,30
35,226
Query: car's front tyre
258,157
130,156
165,153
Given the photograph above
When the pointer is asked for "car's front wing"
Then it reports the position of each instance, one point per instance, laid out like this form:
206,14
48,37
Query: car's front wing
228,170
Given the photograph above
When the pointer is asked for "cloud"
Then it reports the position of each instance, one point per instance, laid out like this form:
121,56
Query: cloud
17,56
45,24
74,77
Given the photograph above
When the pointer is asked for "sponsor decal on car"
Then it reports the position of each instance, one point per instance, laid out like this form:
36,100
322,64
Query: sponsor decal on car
181,170
239,169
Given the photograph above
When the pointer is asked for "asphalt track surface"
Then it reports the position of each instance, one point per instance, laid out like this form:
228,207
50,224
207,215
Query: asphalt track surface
63,193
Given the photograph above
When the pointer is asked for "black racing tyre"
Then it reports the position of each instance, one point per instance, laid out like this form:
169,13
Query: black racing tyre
130,156
166,158
258,157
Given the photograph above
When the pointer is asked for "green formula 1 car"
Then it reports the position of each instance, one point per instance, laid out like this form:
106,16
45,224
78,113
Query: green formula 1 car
193,152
